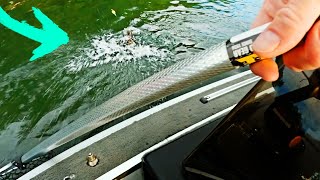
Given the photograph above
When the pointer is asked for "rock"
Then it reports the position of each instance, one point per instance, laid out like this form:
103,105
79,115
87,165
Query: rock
174,2
188,43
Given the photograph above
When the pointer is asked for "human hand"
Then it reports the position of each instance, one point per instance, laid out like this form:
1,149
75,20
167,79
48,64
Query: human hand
291,20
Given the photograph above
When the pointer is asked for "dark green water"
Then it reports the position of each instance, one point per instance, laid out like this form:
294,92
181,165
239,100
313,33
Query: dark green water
38,98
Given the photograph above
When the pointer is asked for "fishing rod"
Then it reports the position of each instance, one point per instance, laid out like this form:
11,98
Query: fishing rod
223,57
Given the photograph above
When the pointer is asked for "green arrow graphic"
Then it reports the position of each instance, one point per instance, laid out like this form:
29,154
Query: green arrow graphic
50,36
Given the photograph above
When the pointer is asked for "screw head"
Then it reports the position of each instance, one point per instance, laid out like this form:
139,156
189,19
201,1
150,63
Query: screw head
92,160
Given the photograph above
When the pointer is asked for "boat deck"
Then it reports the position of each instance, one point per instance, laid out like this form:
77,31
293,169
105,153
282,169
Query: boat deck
140,132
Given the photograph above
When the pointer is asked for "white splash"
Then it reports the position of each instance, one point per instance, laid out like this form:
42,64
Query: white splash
114,48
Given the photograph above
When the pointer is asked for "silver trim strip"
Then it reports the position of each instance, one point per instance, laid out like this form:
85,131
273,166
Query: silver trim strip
69,152
231,88
5,168
117,171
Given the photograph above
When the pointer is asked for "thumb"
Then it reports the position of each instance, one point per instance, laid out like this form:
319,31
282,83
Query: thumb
305,56
289,26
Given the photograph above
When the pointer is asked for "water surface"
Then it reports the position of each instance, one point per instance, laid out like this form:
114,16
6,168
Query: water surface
39,98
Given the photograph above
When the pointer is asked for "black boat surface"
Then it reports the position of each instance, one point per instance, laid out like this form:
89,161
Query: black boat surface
274,136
